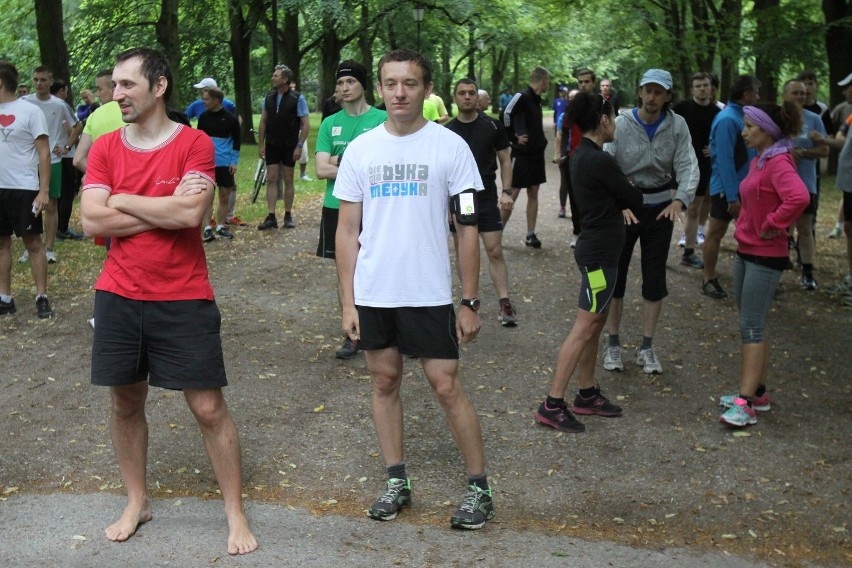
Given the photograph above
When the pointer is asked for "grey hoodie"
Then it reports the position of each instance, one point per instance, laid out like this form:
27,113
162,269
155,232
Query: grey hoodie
650,165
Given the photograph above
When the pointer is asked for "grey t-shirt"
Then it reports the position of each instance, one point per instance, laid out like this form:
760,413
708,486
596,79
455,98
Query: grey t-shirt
844,167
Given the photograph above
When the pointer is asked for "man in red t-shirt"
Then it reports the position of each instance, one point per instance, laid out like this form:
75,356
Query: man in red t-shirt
147,187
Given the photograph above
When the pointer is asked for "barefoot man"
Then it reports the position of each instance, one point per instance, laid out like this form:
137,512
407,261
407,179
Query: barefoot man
147,187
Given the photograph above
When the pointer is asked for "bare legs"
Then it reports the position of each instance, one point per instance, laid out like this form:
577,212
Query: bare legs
578,350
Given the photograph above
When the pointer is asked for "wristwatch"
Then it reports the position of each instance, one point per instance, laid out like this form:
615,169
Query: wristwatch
472,303
67,147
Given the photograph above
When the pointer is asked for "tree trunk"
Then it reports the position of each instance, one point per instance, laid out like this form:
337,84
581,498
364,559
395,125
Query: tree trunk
838,44
51,40
330,47
767,65
240,44
167,37
729,44
365,47
292,58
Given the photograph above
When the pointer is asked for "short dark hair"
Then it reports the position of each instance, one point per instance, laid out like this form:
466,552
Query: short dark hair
43,69
154,65
539,73
407,55
58,85
701,76
465,81
743,84
286,72
104,73
215,93
586,71
9,76
807,75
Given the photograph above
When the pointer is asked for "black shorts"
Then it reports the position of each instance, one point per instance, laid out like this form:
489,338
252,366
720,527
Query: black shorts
328,232
528,170
16,213
655,239
847,206
595,298
719,208
224,177
280,155
175,345
489,217
428,332
703,184
811,209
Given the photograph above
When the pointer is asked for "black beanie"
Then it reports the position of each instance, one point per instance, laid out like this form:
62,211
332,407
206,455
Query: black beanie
350,68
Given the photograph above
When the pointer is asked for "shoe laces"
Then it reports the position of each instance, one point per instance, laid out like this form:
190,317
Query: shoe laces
395,486
471,499
507,308
650,356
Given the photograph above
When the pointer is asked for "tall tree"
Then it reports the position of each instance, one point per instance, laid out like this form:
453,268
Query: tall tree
838,43
167,36
51,39
240,45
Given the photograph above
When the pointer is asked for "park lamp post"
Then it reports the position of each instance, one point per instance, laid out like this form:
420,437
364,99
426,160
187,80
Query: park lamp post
418,17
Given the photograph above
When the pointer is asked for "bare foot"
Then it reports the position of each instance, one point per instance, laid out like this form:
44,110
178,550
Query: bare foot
240,538
130,520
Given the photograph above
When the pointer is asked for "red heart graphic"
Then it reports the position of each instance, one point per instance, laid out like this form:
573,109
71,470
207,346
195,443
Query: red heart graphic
6,119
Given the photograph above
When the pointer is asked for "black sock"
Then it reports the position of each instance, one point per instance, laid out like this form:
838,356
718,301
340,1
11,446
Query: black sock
761,390
613,340
807,269
646,343
688,252
746,398
480,481
589,392
397,471
551,402
287,214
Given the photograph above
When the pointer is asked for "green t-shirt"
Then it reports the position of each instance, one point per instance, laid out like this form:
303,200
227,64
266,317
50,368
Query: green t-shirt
104,120
430,111
336,132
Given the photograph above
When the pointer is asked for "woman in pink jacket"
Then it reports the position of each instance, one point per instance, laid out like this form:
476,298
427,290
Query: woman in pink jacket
772,197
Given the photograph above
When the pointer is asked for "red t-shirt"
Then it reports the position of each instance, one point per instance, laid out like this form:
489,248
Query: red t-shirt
160,264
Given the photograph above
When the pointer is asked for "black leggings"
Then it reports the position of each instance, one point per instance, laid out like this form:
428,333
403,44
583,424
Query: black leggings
655,238
566,190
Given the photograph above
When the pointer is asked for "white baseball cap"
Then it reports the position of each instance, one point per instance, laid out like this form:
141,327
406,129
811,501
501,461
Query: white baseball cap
206,83
845,81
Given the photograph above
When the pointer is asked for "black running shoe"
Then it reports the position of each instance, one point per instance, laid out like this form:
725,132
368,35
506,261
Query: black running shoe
395,498
559,418
532,241
269,223
7,307
597,404
713,289
43,308
475,510
348,350
288,222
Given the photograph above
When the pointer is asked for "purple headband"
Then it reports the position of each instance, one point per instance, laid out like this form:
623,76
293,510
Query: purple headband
762,120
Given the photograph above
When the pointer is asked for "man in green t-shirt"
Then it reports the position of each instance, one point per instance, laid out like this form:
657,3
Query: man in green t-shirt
102,121
335,133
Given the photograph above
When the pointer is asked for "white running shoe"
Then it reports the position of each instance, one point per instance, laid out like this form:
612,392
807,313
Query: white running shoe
682,242
699,239
24,257
649,362
612,358
51,256
574,242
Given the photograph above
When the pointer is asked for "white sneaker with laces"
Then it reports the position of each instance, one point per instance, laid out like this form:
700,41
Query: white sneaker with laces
24,257
682,242
51,256
306,178
612,358
699,238
649,362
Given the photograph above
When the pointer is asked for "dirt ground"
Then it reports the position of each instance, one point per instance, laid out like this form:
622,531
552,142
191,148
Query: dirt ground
666,474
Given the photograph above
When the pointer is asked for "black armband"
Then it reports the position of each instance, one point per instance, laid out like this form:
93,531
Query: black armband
465,207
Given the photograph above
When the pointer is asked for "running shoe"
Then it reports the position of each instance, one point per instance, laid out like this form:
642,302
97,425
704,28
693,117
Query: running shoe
739,415
649,362
43,308
759,403
532,241
7,307
574,242
24,257
235,221
597,404
562,214
348,350
559,418
476,508
836,232
699,237
808,282
612,358
51,256
208,235
222,231
395,498
713,289
69,234
306,177
692,261
507,316
288,221
682,242
269,223
845,287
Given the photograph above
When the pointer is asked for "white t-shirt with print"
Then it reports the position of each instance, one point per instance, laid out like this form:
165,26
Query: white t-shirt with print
20,124
58,115
404,184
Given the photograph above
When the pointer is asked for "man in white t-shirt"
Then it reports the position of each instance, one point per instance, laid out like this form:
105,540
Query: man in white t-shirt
59,117
24,185
399,181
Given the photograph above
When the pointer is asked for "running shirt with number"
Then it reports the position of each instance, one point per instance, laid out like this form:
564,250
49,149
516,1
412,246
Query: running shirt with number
160,264
335,134
404,184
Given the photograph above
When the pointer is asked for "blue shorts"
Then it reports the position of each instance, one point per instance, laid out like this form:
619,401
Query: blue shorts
428,332
175,345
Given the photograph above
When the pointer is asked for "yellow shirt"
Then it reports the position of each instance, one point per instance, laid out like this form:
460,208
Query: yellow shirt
430,111
104,120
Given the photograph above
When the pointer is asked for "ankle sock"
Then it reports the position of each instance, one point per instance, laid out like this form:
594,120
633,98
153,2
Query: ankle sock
761,390
397,471
589,392
807,269
746,398
688,252
613,340
5,299
480,481
553,403
646,343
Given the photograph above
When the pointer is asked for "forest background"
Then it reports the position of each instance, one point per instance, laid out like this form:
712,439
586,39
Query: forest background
497,42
